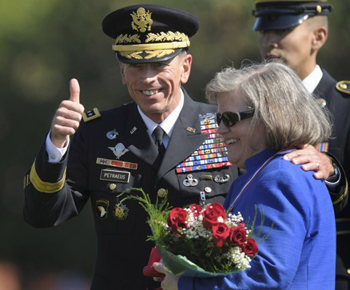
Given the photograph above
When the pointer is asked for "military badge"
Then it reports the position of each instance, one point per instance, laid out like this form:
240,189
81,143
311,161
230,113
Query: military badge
102,208
190,181
221,179
190,129
121,211
112,134
206,177
321,102
119,150
132,131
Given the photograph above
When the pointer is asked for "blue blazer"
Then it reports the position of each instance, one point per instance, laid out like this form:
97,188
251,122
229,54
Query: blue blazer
300,251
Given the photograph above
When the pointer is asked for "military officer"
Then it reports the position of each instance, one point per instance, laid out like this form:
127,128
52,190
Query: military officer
115,150
294,32
162,142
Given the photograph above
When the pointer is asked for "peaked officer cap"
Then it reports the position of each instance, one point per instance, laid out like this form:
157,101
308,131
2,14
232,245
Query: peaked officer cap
278,15
146,33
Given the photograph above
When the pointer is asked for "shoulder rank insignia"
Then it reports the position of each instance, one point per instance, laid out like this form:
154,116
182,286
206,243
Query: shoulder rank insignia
343,86
90,115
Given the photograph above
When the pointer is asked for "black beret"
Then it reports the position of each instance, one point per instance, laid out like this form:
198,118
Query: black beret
278,15
149,33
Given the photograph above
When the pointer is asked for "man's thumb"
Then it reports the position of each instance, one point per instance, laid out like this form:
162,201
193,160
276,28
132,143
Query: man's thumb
74,91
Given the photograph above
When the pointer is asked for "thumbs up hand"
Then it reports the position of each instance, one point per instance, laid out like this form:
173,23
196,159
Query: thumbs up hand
67,117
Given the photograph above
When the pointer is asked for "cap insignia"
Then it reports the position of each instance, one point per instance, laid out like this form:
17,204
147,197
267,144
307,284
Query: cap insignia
141,20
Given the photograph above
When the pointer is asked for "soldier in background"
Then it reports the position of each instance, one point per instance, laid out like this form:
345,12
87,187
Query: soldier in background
294,32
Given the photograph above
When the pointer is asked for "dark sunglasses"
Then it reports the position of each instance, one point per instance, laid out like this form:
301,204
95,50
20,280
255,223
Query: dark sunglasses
229,118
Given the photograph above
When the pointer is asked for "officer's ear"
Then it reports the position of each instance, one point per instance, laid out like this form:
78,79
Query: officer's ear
186,63
320,35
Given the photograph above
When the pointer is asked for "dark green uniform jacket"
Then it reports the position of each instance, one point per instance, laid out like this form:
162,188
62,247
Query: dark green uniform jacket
108,155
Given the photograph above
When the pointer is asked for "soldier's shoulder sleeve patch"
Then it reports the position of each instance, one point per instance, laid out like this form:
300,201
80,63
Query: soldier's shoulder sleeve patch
343,86
90,115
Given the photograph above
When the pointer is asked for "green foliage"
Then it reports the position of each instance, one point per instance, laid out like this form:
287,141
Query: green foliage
157,212
254,232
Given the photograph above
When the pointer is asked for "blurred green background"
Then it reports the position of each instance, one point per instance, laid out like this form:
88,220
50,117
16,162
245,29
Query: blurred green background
43,44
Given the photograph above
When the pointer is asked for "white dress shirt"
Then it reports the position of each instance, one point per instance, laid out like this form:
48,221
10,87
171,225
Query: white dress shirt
313,79
167,125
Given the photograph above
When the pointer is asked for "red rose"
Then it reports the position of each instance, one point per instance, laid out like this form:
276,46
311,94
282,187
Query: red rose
220,233
211,214
238,235
177,219
195,209
250,248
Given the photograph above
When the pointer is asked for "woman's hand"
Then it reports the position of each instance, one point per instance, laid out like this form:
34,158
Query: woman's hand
170,280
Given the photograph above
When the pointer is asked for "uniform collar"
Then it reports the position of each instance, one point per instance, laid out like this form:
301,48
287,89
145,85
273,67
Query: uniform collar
168,124
313,79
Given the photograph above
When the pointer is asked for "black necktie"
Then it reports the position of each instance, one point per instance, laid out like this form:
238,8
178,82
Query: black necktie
158,134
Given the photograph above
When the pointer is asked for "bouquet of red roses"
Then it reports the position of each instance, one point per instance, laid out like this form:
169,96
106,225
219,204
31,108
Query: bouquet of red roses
199,240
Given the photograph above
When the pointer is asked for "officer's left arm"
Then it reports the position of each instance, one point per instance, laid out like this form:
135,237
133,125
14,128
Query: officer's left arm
326,167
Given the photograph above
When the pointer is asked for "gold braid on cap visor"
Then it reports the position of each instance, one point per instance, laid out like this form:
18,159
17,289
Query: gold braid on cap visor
171,41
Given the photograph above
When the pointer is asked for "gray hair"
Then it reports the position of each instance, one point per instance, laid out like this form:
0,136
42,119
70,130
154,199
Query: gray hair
288,112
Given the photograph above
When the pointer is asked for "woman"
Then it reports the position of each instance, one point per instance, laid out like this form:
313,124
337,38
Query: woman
265,111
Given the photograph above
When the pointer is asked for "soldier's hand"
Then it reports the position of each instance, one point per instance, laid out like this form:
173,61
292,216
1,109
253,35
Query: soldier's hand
312,159
67,117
